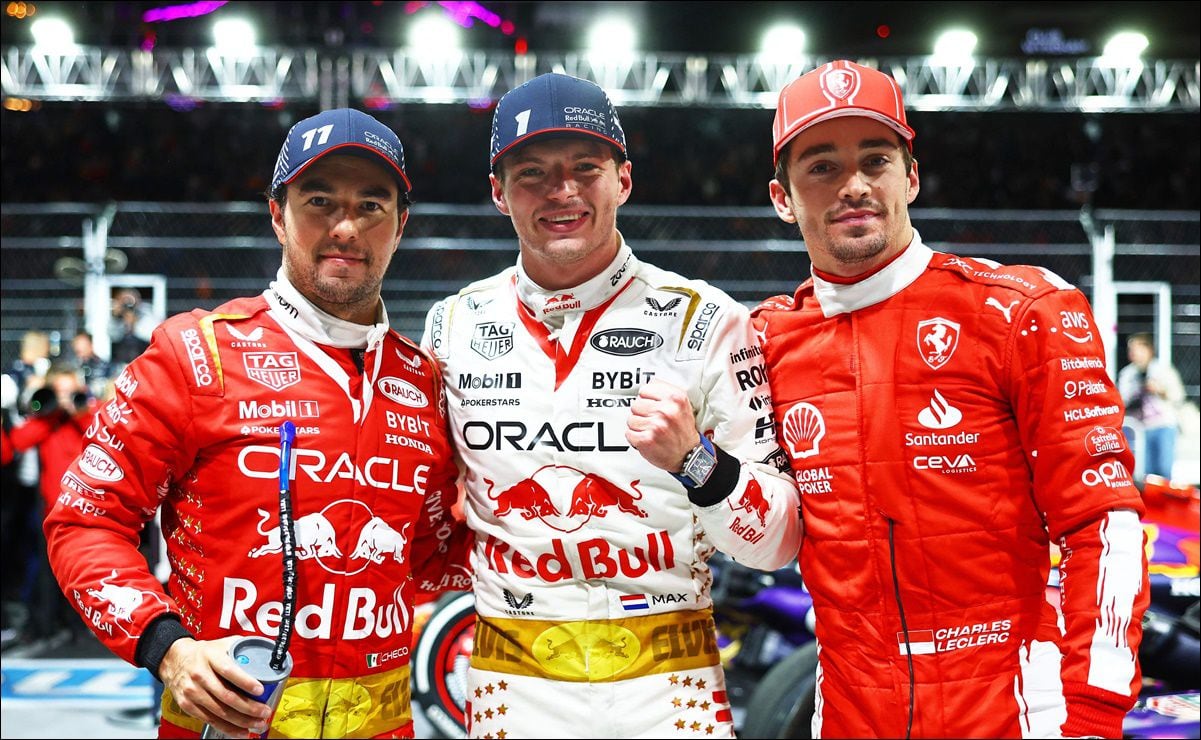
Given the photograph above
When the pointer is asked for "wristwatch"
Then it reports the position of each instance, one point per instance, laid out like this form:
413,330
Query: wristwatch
699,464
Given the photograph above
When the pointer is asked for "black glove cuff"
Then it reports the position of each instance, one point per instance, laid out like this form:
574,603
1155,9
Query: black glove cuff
158,637
721,483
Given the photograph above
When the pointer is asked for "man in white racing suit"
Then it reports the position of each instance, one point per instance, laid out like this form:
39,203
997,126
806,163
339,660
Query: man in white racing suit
613,421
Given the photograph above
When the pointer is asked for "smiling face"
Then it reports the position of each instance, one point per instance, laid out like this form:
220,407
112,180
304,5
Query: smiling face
339,225
849,191
562,195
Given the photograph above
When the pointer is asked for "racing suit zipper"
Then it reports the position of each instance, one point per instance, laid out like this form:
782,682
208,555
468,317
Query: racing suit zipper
896,587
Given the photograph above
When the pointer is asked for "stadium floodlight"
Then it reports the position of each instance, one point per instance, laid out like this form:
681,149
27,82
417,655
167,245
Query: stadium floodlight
1124,47
53,35
433,34
612,39
234,36
954,46
783,42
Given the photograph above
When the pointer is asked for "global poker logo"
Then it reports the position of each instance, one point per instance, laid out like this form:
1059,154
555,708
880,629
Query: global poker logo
542,496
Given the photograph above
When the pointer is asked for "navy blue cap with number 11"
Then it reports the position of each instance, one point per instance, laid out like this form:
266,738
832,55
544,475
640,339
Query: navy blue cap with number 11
344,131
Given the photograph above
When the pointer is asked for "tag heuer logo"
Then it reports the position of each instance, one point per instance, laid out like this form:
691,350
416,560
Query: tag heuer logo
276,370
492,339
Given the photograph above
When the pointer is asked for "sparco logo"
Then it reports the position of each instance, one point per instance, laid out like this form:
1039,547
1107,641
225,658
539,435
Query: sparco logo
491,380
436,321
402,392
626,342
200,363
700,329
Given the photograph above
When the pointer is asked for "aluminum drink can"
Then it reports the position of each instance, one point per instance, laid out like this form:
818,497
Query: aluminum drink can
253,655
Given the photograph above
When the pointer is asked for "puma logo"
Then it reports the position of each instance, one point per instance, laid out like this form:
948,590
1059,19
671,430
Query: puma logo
994,303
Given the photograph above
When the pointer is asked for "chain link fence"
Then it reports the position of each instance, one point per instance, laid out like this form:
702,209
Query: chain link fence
205,254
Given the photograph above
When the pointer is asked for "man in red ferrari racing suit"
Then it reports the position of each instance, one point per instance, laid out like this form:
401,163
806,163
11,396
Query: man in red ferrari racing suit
947,419
579,382
195,430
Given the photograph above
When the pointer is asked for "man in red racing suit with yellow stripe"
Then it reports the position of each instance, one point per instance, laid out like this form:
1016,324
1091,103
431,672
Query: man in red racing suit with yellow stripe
194,429
947,418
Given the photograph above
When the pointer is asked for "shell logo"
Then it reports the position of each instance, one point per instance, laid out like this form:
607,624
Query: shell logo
586,651
804,428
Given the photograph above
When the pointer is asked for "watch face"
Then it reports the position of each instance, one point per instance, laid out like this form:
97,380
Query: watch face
700,465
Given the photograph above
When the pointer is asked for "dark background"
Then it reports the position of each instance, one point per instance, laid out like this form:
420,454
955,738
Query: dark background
95,152
832,28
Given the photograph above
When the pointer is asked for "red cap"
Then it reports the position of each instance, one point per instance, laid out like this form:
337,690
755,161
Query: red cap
839,88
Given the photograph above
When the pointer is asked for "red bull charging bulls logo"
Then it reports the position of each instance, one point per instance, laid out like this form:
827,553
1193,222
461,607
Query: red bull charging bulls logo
319,538
539,497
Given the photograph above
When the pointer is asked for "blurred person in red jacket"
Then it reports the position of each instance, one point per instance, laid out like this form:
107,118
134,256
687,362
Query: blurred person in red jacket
59,414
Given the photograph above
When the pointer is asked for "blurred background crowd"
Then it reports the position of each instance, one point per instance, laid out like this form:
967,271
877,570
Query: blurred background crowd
92,153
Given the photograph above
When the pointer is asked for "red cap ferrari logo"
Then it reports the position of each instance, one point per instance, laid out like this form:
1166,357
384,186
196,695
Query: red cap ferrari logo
839,83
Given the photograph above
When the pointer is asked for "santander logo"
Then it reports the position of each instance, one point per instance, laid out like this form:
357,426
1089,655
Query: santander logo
940,414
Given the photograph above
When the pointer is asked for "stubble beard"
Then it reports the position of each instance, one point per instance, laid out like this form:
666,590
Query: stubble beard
330,291
857,249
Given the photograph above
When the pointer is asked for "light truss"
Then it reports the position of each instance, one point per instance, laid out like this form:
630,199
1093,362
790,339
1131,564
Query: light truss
271,74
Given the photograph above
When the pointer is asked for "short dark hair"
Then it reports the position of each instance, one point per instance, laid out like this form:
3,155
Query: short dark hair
782,161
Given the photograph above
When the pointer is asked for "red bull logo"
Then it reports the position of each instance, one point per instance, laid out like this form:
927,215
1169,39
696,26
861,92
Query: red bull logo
597,557
316,537
122,602
377,540
366,614
527,496
594,496
561,302
753,501
595,651
544,496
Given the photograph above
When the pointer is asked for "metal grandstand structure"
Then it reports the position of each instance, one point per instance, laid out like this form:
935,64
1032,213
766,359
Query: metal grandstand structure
335,78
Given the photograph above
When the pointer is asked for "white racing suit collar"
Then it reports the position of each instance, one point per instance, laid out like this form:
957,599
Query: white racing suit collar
296,313
550,306
838,298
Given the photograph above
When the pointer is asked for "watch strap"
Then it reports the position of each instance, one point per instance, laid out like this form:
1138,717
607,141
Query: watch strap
706,444
720,484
